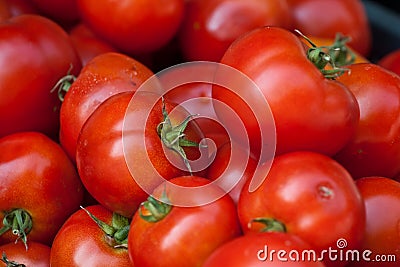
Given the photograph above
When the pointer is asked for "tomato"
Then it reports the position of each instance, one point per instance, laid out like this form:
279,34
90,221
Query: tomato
180,236
261,249
310,111
375,148
310,195
133,26
37,254
64,12
48,55
82,242
103,76
115,161
209,27
382,203
12,8
391,61
348,17
226,167
87,44
39,184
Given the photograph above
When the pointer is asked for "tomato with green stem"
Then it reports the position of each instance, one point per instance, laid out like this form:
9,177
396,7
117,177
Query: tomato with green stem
16,255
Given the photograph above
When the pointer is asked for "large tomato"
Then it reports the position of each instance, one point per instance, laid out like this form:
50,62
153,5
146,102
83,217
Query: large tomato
115,161
375,149
39,188
15,255
348,17
91,237
133,26
310,111
258,250
209,27
103,76
310,195
382,203
180,236
35,53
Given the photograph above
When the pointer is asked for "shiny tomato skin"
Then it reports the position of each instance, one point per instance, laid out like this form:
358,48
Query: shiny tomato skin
250,251
209,27
186,236
105,75
101,153
382,203
81,242
48,54
37,176
133,26
37,254
322,113
331,206
327,18
375,148
391,61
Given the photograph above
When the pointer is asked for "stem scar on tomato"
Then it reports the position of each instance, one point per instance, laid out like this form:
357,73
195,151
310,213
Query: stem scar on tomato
173,137
19,222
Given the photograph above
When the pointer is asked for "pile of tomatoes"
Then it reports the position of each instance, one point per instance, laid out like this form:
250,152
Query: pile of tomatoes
89,160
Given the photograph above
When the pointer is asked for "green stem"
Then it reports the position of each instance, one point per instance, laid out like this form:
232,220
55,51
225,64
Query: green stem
19,222
10,263
153,210
63,85
270,225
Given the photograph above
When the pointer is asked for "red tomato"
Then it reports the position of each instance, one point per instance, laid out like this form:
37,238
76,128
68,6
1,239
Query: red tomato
261,249
391,61
87,44
209,27
228,168
375,149
327,18
183,236
48,54
81,241
310,195
108,152
133,26
63,11
310,111
103,76
12,8
37,254
37,182
382,203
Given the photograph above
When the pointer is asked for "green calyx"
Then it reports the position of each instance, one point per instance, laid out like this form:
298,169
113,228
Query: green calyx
153,210
336,56
270,225
116,233
19,222
10,263
173,137
63,85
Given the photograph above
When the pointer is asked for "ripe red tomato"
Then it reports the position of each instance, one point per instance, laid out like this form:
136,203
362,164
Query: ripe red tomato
133,26
391,61
181,236
310,111
310,195
87,44
26,103
375,148
37,254
115,161
329,17
261,249
209,27
382,203
103,76
38,183
81,241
